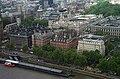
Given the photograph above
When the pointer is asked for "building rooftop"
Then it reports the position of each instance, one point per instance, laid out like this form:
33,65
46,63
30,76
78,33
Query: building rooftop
111,21
40,35
91,37
64,36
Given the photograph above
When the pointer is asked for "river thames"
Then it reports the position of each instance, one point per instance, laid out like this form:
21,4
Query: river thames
20,73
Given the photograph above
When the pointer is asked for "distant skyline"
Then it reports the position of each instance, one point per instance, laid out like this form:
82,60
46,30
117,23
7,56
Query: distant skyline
67,0
57,0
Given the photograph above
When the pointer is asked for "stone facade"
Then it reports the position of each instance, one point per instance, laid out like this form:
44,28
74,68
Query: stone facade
108,25
91,43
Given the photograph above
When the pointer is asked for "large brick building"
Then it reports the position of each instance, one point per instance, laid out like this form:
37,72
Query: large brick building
64,39
1,29
40,39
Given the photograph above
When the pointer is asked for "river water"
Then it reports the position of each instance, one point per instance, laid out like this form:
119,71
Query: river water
20,73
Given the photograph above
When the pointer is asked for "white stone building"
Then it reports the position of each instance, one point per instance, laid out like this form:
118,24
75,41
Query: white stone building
91,43
110,25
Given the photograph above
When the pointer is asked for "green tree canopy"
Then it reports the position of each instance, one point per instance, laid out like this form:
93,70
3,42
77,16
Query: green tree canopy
37,50
40,22
93,57
27,21
24,48
80,60
109,46
103,65
69,57
6,21
10,45
57,55
111,65
105,8
48,48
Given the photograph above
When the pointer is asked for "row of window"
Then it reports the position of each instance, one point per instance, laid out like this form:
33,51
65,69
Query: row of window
105,30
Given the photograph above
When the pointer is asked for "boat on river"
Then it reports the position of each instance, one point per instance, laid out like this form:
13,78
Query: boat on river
9,64
35,67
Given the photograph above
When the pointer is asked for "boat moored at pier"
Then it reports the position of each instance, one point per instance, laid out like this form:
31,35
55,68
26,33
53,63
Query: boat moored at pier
36,67
9,64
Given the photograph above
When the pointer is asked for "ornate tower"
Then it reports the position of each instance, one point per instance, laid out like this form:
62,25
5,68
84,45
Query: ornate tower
1,29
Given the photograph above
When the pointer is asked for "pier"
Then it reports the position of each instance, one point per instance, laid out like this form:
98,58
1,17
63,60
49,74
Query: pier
37,68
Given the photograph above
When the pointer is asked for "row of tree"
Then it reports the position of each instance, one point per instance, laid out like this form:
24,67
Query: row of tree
71,57
111,65
68,56
28,21
105,8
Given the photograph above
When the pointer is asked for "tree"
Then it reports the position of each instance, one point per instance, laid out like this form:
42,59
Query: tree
40,22
117,54
24,48
10,45
37,50
69,56
118,70
103,65
48,47
112,65
57,55
109,46
27,21
105,8
93,57
80,60
6,21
